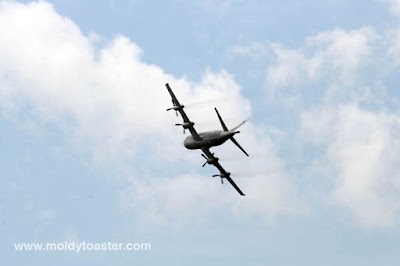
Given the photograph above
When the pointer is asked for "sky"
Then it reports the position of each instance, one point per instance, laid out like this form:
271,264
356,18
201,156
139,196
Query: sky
88,152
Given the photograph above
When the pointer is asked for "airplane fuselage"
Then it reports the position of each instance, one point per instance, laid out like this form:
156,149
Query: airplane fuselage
208,139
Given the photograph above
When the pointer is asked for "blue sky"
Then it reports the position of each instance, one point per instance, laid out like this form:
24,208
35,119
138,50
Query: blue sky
89,153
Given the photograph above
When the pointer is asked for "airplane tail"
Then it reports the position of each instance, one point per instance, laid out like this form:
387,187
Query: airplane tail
241,124
233,131
220,120
238,145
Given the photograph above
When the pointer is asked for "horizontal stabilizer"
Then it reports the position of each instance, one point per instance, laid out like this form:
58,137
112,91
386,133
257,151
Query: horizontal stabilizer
238,145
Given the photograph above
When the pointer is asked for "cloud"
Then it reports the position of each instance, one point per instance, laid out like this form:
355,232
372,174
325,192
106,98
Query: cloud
254,50
170,200
392,38
394,6
110,103
362,148
268,188
334,56
336,85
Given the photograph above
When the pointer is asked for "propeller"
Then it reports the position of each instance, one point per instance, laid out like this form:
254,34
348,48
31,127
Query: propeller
175,107
211,160
185,125
204,158
182,126
222,179
222,176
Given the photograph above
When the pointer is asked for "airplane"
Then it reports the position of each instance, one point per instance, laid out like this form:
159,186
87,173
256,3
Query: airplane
205,140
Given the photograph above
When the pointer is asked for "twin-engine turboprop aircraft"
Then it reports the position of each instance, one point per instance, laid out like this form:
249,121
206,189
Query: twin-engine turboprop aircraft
204,141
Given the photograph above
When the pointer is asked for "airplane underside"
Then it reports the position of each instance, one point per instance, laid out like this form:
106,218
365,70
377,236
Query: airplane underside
192,144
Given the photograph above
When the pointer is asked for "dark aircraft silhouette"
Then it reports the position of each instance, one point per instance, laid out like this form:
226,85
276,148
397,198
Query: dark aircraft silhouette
205,140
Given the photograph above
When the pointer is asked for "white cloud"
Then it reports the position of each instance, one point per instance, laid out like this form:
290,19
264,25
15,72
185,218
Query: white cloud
288,70
336,56
172,200
262,178
362,157
339,77
393,48
394,6
109,101
254,50
269,191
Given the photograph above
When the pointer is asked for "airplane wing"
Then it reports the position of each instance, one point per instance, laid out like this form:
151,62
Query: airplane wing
234,185
187,124
224,174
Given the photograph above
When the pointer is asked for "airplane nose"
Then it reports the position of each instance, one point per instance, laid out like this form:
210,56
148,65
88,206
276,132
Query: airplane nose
189,143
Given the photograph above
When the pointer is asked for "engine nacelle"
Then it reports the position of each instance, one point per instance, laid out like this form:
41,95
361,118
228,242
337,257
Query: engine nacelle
212,160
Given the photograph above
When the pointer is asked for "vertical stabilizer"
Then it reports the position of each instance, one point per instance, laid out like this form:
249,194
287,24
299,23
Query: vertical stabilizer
220,120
